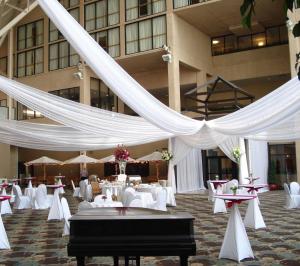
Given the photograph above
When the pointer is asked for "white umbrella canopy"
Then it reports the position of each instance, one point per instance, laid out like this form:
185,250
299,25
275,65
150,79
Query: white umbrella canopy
43,160
154,156
81,159
112,159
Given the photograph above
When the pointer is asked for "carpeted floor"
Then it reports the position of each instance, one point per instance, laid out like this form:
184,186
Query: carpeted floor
34,241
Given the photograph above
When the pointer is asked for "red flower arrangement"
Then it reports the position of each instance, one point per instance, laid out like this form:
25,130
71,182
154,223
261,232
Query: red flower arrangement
121,153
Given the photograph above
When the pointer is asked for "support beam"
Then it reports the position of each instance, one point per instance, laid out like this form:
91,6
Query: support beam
19,17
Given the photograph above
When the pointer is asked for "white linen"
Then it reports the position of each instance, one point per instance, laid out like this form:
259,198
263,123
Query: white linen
161,201
4,243
76,190
21,202
294,188
56,211
253,218
291,201
66,215
107,204
4,205
219,206
145,197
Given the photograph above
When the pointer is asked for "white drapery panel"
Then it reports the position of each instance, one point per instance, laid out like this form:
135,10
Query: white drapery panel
243,164
190,172
118,80
228,145
258,160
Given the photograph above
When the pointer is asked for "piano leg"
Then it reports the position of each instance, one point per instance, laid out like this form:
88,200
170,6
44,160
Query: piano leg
80,261
183,260
116,261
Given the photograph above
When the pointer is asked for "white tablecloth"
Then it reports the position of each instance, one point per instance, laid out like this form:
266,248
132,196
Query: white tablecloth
145,197
30,192
107,204
155,189
116,190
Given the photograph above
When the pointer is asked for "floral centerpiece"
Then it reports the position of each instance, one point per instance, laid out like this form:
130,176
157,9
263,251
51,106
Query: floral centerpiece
236,153
166,155
121,156
234,189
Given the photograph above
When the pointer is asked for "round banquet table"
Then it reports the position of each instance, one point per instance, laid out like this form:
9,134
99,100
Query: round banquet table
236,245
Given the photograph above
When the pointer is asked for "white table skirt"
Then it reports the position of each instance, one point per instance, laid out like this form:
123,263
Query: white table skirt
155,189
145,197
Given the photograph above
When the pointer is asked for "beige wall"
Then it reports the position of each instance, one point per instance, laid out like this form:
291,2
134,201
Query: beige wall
269,61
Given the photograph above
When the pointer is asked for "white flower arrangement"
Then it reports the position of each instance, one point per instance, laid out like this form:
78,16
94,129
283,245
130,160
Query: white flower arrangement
166,155
236,153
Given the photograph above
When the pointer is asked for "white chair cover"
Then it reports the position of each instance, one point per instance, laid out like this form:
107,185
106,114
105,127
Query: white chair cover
137,203
84,205
67,215
21,202
89,192
29,184
82,188
5,206
161,201
292,201
98,199
294,188
121,178
128,196
13,196
253,218
236,245
211,191
56,212
41,199
219,206
4,244
76,190
108,194
61,189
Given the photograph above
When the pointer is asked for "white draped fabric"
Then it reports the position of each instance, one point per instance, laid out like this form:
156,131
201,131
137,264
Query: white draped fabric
258,161
190,172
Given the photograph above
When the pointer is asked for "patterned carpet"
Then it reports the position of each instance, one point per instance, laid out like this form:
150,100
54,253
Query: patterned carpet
34,241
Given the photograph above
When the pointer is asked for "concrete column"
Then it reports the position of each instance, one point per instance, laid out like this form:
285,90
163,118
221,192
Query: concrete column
173,66
85,86
294,47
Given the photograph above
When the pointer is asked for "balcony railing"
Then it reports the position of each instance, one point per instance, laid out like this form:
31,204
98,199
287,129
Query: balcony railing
231,43
183,3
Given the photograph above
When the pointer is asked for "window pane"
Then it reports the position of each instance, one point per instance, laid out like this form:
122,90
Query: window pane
244,42
53,32
39,30
39,60
180,3
74,57
21,37
63,54
100,14
283,34
113,12
90,17
158,6
30,63
144,7
114,42
132,38
217,45
159,32
273,36
259,40
131,9
53,57
230,43
75,13
74,3
102,39
64,93
29,35
3,65
145,34
95,92
21,65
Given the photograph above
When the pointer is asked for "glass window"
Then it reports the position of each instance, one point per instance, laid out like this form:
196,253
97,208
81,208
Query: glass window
273,36
258,40
140,8
30,62
102,97
69,3
230,43
145,35
109,40
69,93
101,14
24,112
217,45
180,3
244,42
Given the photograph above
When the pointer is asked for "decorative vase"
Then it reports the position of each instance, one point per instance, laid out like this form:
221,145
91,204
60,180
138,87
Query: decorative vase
122,167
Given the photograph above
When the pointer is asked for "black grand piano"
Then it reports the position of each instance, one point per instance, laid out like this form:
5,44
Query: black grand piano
130,232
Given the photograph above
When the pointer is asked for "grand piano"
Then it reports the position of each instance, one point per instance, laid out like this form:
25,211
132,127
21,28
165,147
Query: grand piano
130,232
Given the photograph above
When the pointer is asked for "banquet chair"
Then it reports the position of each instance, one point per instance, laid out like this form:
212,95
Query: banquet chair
67,215
211,191
161,201
128,196
108,194
84,205
99,199
88,193
137,203
82,188
21,202
96,190
294,188
4,205
42,200
76,190
292,201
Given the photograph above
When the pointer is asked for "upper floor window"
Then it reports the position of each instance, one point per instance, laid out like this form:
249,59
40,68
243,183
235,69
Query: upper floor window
3,65
231,43
101,14
182,3
72,94
24,113
140,8
30,62
102,97
146,35
109,40
69,3
30,35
